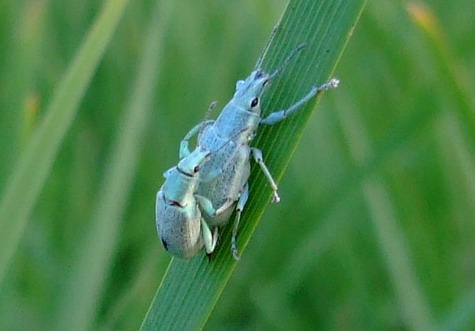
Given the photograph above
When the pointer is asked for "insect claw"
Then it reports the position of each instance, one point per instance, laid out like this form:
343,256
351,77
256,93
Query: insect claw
234,249
301,46
334,82
236,255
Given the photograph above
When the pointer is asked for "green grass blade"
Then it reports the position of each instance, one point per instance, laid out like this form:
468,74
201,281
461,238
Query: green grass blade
88,274
33,167
462,314
389,234
456,81
190,289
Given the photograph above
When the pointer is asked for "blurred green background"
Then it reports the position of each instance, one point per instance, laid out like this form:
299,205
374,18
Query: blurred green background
376,228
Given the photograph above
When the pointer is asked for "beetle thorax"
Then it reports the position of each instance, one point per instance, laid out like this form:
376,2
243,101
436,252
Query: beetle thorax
234,119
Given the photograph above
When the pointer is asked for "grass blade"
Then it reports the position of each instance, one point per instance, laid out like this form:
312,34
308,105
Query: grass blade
190,289
389,234
33,167
456,80
89,272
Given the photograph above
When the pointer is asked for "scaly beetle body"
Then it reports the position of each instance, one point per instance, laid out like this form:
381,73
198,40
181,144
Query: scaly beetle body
179,207
233,160
180,225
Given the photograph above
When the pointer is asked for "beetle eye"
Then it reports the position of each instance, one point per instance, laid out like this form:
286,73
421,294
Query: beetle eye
254,102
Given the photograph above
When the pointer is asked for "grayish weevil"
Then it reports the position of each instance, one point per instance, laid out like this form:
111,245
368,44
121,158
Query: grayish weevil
233,160
179,221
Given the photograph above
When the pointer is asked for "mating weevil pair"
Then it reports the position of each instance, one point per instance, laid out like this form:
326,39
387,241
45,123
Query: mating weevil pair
201,193
179,208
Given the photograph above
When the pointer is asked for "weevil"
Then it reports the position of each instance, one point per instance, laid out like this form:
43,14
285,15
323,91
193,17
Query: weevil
179,221
181,228
230,190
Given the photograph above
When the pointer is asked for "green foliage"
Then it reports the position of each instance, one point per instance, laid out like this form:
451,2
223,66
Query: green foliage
36,160
375,229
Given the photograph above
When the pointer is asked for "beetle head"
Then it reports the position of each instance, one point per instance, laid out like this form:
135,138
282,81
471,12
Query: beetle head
191,164
249,91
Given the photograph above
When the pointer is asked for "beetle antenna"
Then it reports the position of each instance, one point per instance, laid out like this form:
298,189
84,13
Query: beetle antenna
266,48
231,138
287,60
206,120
